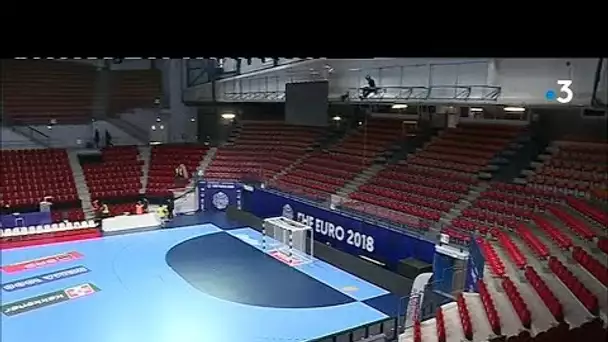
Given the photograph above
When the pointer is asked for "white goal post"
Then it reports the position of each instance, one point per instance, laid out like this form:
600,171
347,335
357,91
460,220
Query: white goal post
292,239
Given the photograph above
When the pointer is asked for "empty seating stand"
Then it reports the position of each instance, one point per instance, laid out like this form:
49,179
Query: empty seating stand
517,302
465,318
134,89
490,308
417,331
517,257
589,211
588,299
496,265
118,176
28,176
440,326
537,247
36,91
562,240
546,295
577,226
261,150
595,267
574,167
163,161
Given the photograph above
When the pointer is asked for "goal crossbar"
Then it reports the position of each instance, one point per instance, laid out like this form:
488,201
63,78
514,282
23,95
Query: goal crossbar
294,240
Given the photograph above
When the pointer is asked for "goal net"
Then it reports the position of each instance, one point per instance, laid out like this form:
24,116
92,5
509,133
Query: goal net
288,240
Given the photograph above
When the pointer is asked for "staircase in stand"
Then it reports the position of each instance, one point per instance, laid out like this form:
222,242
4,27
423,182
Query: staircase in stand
362,178
144,154
81,185
204,164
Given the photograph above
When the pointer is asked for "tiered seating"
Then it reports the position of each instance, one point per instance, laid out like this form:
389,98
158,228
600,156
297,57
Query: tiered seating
486,217
591,212
163,161
440,326
547,296
599,271
456,236
35,91
573,167
371,139
352,155
518,303
392,212
117,176
69,215
48,233
602,244
576,225
399,206
537,247
468,225
261,150
517,257
30,175
414,199
468,148
527,196
121,208
417,331
465,318
489,253
488,304
134,89
583,294
562,240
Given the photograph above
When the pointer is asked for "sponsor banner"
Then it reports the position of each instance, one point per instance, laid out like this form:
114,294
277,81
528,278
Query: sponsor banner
44,278
475,266
218,196
41,262
47,299
346,233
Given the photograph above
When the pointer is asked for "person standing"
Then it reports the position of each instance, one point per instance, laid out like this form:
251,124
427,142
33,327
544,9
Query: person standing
96,138
371,87
170,208
108,139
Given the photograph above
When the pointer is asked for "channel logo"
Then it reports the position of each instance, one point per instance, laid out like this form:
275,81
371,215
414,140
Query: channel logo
47,299
41,262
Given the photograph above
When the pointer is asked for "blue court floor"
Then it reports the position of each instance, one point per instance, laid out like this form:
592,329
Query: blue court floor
190,284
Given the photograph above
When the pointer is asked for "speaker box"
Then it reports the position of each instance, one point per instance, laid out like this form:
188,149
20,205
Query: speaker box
411,268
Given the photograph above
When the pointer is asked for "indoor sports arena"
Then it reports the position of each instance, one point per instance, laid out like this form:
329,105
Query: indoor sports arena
299,199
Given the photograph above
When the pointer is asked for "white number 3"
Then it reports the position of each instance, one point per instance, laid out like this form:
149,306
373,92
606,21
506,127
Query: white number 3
565,90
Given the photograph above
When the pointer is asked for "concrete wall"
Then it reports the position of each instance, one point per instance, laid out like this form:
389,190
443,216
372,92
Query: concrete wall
12,140
79,135
526,80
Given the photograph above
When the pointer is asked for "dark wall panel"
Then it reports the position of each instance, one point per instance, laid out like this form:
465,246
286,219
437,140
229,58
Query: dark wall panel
306,103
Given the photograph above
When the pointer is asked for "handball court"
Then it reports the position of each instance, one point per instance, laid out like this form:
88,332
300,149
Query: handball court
198,283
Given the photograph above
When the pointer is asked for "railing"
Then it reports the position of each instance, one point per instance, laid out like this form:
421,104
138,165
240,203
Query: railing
31,133
390,94
433,92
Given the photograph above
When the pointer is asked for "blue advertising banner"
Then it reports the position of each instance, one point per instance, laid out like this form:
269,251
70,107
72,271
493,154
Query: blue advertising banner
475,266
44,278
217,196
342,232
